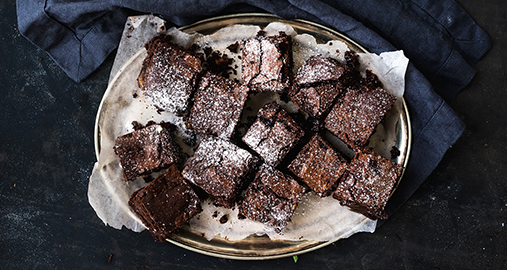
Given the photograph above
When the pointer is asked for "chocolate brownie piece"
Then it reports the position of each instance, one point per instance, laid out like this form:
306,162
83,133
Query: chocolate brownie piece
169,74
220,168
218,105
318,84
271,198
267,62
165,204
273,134
146,150
319,69
356,117
368,183
319,165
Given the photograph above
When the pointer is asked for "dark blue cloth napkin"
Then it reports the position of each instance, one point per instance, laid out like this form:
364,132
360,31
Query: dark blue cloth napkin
438,36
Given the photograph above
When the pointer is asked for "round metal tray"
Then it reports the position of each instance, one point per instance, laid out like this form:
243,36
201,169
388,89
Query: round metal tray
258,247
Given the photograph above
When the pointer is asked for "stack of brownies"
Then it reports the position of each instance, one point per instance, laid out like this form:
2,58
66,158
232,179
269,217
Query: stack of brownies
266,171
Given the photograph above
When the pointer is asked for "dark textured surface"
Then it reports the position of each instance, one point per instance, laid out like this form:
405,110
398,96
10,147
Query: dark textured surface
455,220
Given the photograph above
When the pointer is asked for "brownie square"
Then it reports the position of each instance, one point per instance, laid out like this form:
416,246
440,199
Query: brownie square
220,168
165,204
319,69
218,105
319,165
271,198
369,181
146,150
317,85
169,75
355,119
267,62
273,134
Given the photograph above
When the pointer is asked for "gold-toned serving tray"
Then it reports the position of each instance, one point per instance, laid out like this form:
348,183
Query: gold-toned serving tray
256,247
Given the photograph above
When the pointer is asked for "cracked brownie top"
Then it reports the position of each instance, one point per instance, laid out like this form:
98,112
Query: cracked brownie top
319,165
273,134
146,150
218,105
271,198
169,74
356,117
267,62
369,181
165,204
219,168
317,84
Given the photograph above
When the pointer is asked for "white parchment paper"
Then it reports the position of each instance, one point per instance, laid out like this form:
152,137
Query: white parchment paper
320,219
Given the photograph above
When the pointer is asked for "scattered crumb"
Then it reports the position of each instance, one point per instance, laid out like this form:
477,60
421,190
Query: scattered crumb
224,219
395,152
233,47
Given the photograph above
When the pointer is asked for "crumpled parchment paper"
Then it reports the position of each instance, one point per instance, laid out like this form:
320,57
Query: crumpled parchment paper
320,219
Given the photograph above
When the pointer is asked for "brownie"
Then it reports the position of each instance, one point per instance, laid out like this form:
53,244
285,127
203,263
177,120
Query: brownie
356,117
273,134
368,184
165,204
319,165
267,62
317,85
218,105
147,150
319,69
271,198
169,75
220,168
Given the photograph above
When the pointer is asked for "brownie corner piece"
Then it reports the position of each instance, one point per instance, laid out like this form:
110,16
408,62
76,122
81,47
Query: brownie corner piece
267,62
273,134
319,166
146,150
165,204
220,168
368,184
271,198
356,117
169,75
218,104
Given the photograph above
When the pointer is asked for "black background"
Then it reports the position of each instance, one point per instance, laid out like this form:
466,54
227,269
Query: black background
455,220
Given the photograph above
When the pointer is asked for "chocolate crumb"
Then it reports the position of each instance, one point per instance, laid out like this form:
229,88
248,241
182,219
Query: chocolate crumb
159,110
215,214
224,219
233,47
136,125
135,95
395,152
240,216
217,63
261,33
